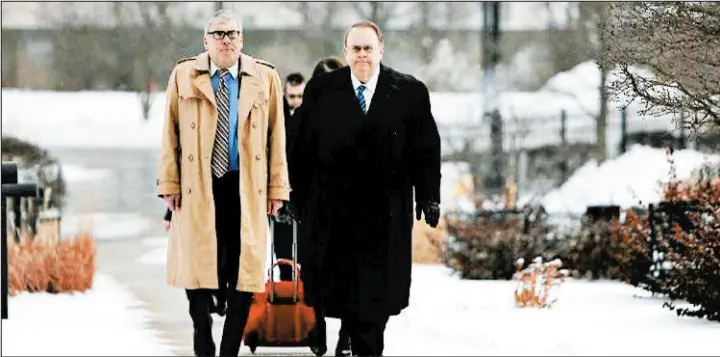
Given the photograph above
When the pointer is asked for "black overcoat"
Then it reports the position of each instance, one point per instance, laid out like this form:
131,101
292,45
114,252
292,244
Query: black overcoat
352,176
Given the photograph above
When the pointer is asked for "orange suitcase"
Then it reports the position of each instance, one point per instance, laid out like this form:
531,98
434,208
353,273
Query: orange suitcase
278,317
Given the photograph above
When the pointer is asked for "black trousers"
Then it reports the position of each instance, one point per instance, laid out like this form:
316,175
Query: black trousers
282,239
227,226
367,338
321,329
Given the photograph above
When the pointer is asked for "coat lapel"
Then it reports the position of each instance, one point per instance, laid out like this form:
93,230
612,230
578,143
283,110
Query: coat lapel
203,84
202,79
249,86
383,91
343,85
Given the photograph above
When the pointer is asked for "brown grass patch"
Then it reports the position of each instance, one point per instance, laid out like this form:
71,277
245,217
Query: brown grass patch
40,265
427,242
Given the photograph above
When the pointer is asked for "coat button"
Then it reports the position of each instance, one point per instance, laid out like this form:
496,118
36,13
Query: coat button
257,157
189,191
190,157
192,126
260,191
254,125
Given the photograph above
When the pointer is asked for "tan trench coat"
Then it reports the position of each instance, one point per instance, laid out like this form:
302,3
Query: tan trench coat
191,110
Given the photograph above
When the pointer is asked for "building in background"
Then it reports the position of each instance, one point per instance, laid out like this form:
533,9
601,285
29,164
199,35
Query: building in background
110,46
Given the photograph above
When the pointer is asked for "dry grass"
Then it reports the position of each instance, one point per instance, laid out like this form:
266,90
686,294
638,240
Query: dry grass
537,282
427,242
40,265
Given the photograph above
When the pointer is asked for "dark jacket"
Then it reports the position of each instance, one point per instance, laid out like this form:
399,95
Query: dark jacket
353,176
283,232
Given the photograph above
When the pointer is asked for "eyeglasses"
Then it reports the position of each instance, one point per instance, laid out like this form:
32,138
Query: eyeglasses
368,49
293,96
219,35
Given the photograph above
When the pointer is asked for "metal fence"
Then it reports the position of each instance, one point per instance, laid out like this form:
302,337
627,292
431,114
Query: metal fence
11,189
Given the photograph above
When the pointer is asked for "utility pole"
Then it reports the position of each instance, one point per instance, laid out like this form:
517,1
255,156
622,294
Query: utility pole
218,5
494,182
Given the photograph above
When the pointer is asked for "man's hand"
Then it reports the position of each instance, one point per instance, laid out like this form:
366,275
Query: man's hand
173,201
431,211
273,207
285,215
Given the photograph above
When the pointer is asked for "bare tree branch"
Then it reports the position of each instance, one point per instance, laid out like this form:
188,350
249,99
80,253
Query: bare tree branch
679,42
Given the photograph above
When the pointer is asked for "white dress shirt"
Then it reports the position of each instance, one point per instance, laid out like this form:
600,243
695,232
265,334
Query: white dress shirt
369,86
233,69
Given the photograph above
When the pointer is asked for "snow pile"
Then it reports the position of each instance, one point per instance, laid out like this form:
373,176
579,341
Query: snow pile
636,178
107,320
81,119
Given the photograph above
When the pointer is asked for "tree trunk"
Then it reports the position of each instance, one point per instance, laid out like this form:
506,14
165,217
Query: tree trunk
375,12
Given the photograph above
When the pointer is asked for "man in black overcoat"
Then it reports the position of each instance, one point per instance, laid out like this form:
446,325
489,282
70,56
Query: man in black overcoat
367,145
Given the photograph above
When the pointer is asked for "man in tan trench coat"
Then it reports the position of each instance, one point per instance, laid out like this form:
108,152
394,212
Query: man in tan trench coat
222,171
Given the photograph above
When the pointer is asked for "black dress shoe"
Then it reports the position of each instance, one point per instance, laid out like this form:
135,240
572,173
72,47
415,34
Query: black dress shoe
318,343
318,350
343,347
204,346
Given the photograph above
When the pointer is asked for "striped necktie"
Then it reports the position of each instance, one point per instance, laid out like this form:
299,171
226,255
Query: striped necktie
361,98
220,157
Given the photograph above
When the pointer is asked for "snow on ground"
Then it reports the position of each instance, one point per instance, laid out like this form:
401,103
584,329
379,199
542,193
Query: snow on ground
106,226
87,116
107,320
79,174
532,119
157,251
448,316
636,178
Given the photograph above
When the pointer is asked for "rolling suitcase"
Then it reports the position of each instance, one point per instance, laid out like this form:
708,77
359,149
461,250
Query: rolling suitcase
278,317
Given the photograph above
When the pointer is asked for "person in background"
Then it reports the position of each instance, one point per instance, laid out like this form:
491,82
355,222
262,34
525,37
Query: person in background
283,230
294,87
218,239
366,148
319,344
325,65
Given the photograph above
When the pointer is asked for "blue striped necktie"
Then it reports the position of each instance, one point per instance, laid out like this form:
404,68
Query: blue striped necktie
361,98
220,159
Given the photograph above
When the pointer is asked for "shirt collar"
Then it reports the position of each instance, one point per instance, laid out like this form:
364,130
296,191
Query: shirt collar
233,69
370,85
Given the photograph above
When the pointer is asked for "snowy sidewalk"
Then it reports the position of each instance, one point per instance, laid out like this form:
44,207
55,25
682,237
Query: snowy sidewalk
106,321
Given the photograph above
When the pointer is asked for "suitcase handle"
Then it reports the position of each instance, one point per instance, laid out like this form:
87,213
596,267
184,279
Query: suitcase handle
293,262
283,261
290,262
